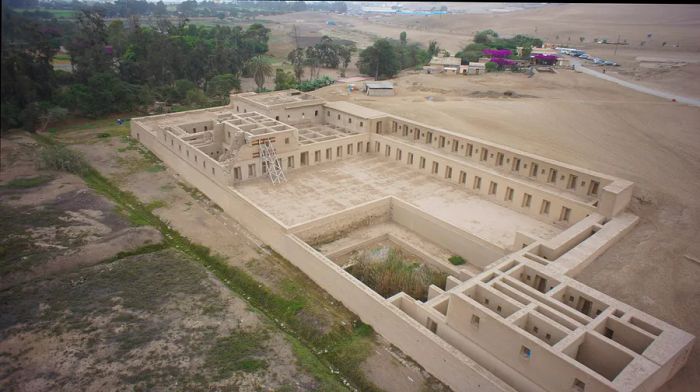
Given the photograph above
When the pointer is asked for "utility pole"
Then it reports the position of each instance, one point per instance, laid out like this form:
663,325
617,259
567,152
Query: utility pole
618,43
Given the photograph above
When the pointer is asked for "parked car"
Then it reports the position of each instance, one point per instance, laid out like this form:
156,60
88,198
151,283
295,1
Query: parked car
608,62
598,61
585,56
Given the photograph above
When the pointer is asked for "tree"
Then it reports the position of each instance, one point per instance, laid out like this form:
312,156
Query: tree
471,52
402,38
491,66
313,61
380,60
345,52
433,48
180,89
196,97
581,39
51,114
485,36
160,9
284,80
220,86
259,67
89,51
327,52
27,73
296,57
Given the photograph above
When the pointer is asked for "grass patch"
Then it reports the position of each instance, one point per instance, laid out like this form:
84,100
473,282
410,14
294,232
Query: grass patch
395,274
457,260
154,205
239,351
155,168
307,360
29,182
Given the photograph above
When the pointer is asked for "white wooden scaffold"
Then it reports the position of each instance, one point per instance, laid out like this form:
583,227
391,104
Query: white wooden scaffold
270,161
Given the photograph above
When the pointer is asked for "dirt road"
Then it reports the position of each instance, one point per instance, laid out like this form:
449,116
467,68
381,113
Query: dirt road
634,86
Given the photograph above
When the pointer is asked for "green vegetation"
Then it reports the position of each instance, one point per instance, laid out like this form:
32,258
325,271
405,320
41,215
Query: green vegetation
396,274
58,157
285,80
380,60
116,69
385,58
29,182
489,39
259,67
239,351
457,260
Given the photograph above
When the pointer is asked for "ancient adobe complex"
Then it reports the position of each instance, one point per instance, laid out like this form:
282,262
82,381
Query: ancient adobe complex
318,180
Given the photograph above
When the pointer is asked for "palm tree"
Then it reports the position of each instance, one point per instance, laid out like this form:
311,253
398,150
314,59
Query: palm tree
259,67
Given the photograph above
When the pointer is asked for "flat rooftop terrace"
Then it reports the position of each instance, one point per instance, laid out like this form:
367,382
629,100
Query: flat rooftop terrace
319,190
280,98
314,133
176,119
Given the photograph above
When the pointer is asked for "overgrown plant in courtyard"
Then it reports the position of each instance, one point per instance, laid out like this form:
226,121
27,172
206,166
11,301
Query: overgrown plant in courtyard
397,273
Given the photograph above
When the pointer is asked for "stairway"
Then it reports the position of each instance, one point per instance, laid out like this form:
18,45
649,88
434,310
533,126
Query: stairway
269,160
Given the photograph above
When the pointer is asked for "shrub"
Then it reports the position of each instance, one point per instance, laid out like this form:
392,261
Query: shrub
457,260
315,84
396,274
56,157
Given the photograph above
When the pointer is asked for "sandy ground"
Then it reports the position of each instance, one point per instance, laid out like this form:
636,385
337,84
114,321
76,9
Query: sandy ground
320,190
591,123
58,225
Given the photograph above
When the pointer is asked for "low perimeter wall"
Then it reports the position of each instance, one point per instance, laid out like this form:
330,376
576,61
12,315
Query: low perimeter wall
475,250
435,355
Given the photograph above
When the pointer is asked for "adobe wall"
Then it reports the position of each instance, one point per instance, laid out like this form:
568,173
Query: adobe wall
544,165
494,346
578,209
197,159
448,364
354,140
472,248
333,226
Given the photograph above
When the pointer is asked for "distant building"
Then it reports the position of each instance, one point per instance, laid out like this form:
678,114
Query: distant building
443,64
545,51
379,89
476,68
